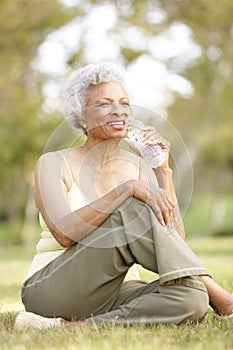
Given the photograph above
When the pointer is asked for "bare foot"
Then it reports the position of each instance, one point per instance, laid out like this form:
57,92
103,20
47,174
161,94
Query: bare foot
220,300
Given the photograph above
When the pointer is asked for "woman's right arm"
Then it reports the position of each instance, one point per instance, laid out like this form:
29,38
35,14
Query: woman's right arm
51,200
69,226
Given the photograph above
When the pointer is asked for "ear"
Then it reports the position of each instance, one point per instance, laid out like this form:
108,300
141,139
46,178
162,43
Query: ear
82,122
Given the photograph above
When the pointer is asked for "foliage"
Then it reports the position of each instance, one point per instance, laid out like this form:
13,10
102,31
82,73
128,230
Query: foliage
24,25
204,120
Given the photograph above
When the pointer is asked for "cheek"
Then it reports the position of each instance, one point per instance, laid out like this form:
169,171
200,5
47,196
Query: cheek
95,119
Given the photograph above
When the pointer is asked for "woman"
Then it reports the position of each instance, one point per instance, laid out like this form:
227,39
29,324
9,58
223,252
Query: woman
102,209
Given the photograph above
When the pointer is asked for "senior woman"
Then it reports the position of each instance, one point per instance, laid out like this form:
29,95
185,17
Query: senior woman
103,210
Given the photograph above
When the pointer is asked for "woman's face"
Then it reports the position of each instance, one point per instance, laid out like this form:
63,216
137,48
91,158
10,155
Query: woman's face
106,109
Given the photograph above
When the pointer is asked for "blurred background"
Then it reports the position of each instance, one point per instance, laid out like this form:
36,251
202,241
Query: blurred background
178,55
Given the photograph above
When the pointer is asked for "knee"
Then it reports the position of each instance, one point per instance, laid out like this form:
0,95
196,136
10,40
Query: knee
135,210
131,203
195,304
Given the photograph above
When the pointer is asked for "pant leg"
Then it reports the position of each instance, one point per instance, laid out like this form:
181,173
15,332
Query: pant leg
86,279
81,282
152,303
165,252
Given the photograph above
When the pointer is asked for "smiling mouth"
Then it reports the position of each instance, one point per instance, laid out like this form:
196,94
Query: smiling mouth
116,123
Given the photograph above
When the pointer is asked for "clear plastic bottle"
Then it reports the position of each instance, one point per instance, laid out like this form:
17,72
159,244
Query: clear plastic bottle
153,155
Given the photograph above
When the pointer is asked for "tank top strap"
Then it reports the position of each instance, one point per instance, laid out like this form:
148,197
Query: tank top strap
66,164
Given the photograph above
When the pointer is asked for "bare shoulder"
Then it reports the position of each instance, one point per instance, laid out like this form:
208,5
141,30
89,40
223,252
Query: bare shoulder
47,160
50,158
51,167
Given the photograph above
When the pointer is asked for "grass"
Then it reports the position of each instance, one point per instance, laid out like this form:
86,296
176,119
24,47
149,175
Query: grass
215,253
205,218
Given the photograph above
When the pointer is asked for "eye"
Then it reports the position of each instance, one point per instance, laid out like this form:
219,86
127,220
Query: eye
104,104
125,104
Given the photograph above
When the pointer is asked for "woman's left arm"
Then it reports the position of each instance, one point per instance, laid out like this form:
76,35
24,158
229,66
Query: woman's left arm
164,178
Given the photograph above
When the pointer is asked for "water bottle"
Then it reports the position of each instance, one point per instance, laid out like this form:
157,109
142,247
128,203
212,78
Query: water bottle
153,155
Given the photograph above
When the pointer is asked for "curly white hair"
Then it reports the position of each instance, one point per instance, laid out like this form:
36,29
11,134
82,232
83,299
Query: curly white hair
74,94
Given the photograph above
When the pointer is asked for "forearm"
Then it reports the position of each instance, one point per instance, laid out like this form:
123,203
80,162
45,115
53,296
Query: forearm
165,181
80,223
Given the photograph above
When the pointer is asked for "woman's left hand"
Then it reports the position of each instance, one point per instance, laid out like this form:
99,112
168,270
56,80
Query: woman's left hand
152,137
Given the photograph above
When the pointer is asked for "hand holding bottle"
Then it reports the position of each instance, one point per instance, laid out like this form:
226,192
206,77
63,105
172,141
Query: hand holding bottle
148,143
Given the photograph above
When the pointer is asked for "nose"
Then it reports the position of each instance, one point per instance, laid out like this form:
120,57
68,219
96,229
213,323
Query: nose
119,109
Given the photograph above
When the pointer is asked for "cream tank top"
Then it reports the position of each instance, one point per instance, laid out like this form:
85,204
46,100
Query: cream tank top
48,249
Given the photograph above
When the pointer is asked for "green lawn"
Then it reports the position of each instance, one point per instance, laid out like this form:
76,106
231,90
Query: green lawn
216,254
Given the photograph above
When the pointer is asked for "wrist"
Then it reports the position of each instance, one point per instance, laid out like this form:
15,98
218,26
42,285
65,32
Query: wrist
131,187
128,188
163,170
164,177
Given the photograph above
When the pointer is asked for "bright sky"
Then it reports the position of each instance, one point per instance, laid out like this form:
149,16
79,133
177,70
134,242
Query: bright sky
150,81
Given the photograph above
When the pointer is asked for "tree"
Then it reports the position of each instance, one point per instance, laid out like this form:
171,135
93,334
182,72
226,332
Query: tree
204,119
24,25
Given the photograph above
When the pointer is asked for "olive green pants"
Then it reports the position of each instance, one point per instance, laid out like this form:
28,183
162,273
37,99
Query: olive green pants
87,280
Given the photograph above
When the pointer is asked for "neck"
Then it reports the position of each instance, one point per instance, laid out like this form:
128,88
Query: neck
102,151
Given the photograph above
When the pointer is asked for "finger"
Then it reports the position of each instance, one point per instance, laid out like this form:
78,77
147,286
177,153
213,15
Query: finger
151,131
175,220
163,209
153,140
161,220
150,128
171,217
169,203
151,135
164,204
167,207
159,215
166,217
172,222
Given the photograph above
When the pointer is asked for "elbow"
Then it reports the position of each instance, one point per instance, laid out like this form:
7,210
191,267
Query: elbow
61,238
59,232
66,242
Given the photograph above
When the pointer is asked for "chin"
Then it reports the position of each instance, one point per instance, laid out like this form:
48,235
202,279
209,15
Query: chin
118,135
115,134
